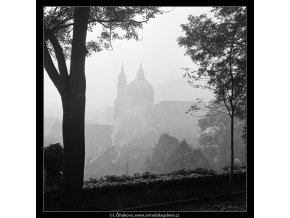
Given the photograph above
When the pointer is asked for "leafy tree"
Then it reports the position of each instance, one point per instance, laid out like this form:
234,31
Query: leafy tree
215,139
170,155
186,157
53,166
198,159
162,153
53,160
65,30
218,45
181,157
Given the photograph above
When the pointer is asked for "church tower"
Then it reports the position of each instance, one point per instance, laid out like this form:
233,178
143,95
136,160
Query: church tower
121,100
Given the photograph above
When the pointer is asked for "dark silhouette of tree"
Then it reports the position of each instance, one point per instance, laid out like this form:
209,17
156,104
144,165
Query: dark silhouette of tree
53,161
169,155
182,156
198,159
65,30
187,157
218,45
162,154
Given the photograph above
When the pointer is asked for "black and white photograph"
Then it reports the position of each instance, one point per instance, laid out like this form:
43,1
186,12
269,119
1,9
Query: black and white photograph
145,109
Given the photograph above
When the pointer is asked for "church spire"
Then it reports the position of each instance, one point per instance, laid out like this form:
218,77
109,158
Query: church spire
140,73
120,102
122,77
122,69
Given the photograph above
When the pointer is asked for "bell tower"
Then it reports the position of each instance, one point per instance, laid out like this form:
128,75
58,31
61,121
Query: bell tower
120,102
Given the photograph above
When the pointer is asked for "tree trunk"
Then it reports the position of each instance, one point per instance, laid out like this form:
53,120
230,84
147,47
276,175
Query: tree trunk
246,154
246,146
74,149
74,155
73,100
232,156
232,126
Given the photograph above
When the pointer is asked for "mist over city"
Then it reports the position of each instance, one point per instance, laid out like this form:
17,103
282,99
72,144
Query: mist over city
170,104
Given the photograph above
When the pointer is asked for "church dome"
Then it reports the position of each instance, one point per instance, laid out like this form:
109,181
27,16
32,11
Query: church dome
140,82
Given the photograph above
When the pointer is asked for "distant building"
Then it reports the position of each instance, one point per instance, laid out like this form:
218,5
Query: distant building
137,96
138,124
135,113
134,128
170,117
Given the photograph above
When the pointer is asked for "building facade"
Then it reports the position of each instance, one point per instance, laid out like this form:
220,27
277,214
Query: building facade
137,96
135,113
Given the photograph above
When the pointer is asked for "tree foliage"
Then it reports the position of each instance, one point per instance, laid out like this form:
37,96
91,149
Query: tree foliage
218,46
162,153
182,154
65,38
108,23
170,155
112,23
215,139
53,160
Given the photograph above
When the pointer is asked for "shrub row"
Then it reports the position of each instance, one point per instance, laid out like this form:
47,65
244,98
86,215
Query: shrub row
149,180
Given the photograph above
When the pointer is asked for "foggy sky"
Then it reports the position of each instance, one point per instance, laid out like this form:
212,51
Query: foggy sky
159,53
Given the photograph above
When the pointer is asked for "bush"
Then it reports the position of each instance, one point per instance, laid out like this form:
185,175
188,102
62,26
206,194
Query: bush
204,171
148,180
53,166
